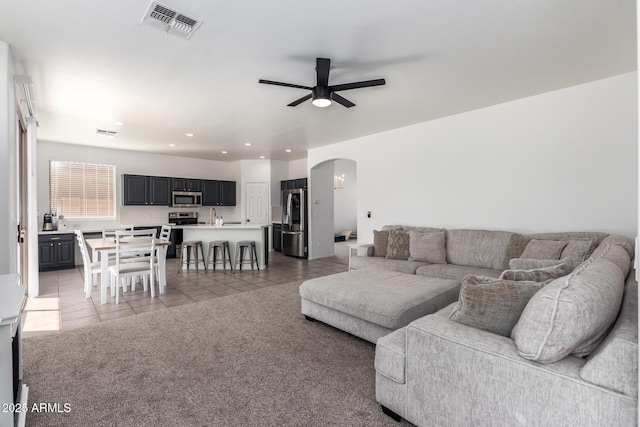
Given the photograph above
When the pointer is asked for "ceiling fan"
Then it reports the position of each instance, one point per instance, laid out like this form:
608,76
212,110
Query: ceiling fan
322,94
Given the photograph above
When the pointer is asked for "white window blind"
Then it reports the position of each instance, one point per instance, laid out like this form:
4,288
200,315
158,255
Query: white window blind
82,190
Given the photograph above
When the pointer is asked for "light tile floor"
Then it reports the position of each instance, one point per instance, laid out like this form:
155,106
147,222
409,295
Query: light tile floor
62,304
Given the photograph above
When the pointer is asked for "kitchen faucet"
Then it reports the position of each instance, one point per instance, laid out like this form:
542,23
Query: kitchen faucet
212,215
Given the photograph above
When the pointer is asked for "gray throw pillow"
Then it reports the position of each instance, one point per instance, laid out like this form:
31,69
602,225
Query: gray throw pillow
380,242
544,249
530,264
538,274
427,247
492,305
571,314
577,250
398,247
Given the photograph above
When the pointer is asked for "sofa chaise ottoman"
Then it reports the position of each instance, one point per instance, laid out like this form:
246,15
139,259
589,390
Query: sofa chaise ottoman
372,303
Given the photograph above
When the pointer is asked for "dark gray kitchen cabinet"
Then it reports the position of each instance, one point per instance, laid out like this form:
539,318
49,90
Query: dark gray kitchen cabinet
277,236
159,193
186,184
56,252
142,190
135,190
291,184
218,193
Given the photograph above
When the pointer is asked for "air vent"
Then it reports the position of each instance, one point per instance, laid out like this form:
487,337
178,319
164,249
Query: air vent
111,133
170,20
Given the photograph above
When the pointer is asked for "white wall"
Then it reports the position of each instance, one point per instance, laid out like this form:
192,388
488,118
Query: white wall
564,160
8,186
298,169
345,199
321,210
131,162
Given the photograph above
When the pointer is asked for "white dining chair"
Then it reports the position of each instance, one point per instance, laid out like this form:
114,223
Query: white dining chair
165,236
112,233
165,232
128,244
91,269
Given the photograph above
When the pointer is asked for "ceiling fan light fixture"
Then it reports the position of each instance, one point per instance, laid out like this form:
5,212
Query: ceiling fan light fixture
321,96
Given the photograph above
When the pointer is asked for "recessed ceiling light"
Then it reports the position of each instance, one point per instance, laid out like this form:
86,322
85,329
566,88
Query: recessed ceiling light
189,134
262,157
172,145
224,152
288,150
248,144
119,123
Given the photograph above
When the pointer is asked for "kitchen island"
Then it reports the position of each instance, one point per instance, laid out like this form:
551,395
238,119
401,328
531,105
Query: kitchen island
233,233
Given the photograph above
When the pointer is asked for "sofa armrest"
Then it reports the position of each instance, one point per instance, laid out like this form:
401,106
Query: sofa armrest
364,250
459,375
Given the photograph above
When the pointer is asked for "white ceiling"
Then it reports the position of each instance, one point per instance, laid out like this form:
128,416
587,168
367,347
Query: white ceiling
94,63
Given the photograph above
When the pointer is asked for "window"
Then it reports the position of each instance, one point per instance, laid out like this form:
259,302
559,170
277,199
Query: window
82,190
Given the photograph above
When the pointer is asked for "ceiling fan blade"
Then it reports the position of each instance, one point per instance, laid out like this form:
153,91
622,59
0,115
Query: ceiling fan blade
299,101
271,82
357,85
342,101
322,71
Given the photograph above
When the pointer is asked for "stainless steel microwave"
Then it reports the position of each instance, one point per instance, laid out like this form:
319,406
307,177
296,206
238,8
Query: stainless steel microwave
186,199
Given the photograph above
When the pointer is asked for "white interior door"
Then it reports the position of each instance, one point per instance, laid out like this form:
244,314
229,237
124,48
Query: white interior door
256,202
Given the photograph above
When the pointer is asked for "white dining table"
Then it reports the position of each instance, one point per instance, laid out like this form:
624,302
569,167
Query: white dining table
101,248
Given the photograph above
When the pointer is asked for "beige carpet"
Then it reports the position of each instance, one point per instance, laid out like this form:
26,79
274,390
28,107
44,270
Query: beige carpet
248,359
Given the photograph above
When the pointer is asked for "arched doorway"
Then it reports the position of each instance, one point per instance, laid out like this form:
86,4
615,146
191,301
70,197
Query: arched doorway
332,204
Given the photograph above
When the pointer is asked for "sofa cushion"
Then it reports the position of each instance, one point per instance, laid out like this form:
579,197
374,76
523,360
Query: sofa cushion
597,237
455,272
516,246
391,227
531,264
570,314
492,305
614,364
539,274
385,298
390,355
427,247
409,228
398,247
577,250
544,249
379,263
617,250
478,248
380,243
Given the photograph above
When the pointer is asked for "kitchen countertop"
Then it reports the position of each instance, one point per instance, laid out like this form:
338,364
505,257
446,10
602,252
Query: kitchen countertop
88,230
224,227
63,231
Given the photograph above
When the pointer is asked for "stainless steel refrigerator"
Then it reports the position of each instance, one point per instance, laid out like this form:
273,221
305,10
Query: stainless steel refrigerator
294,223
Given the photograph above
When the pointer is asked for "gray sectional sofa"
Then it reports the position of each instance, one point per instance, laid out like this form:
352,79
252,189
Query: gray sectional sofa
569,356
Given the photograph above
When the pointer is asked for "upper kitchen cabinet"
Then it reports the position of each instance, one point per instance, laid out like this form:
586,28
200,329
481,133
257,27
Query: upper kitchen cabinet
186,184
141,190
218,193
291,184
159,192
